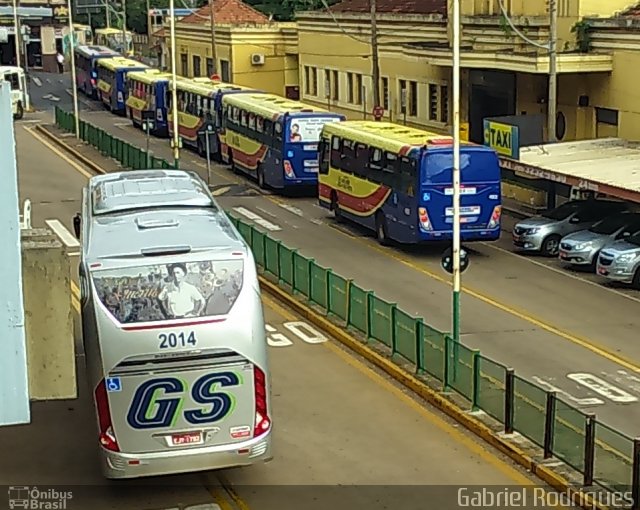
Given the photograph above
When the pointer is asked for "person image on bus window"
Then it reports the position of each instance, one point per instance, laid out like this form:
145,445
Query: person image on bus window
295,134
181,299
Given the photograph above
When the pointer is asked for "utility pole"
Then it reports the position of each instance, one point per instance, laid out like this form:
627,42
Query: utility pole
214,56
108,13
125,47
553,73
374,55
456,171
174,87
16,28
74,85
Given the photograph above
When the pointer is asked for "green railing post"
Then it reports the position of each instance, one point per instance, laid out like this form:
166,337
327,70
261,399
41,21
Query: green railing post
420,368
310,263
327,287
394,339
369,298
294,280
279,264
549,424
347,293
475,380
445,370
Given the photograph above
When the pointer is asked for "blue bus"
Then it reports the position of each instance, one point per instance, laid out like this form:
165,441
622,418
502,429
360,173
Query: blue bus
200,108
273,139
112,81
147,92
86,58
397,181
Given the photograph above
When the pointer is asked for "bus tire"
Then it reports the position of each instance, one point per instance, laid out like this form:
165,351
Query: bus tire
19,111
381,229
260,174
335,207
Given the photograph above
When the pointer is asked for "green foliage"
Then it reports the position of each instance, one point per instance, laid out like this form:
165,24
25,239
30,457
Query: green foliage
582,30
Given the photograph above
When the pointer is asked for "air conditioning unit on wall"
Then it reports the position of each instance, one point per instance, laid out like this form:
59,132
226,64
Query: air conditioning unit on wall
257,59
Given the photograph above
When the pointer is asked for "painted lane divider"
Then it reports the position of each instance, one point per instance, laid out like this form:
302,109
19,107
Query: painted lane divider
581,402
257,219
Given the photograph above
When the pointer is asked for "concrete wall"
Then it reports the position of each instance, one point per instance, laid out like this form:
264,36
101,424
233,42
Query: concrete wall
48,316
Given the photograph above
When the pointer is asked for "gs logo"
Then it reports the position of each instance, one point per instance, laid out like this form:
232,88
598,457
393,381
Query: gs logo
158,403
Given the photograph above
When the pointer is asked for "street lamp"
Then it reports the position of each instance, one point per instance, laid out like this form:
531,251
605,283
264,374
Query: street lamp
175,141
74,88
16,28
456,171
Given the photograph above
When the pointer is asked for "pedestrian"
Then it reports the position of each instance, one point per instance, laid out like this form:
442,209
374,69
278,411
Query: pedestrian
60,59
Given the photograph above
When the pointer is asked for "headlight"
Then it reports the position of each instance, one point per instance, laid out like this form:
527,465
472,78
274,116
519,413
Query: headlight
532,231
627,257
582,246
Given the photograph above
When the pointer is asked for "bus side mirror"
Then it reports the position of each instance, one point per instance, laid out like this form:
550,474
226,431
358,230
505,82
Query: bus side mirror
77,223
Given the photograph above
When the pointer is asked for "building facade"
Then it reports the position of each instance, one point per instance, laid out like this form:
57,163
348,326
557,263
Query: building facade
43,25
246,47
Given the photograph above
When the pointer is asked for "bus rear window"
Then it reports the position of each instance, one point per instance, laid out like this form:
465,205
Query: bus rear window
475,166
308,129
161,292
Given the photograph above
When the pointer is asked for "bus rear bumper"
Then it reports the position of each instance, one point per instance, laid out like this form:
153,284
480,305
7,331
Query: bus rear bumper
117,465
473,236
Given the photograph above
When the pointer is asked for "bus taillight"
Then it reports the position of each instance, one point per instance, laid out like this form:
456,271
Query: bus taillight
495,217
263,422
425,224
288,169
107,437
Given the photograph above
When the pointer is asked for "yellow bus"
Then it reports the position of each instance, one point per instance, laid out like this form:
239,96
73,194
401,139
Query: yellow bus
112,38
273,139
398,182
112,81
199,112
146,96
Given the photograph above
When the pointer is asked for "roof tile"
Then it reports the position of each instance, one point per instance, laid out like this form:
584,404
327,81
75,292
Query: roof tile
631,12
228,12
394,6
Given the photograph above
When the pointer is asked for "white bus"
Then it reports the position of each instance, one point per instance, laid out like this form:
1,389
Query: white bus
18,80
173,328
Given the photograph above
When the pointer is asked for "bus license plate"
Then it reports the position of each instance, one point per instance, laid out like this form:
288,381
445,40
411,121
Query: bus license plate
186,438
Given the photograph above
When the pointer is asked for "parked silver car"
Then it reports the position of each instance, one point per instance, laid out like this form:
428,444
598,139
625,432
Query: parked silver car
583,247
543,233
620,261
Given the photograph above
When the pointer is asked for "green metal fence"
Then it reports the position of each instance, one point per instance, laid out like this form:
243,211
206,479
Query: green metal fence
128,155
603,455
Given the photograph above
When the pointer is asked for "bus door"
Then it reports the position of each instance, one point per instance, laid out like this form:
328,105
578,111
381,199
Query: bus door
403,201
170,374
119,95
158,95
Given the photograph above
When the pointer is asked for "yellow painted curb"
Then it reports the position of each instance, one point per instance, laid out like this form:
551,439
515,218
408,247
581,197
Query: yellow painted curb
553,479
80,157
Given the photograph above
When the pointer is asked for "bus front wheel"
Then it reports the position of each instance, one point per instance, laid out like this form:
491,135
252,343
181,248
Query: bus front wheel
335,207
19,111
381,229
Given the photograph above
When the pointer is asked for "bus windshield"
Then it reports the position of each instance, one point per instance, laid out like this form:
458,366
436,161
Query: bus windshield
475,166
308,129
169,291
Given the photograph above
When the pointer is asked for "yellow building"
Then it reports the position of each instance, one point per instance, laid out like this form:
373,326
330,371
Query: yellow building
249,49
502,74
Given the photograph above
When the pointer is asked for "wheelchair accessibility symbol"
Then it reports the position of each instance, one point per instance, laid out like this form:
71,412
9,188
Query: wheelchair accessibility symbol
114,384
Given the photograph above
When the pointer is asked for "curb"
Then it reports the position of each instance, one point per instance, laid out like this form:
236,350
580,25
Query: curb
478,428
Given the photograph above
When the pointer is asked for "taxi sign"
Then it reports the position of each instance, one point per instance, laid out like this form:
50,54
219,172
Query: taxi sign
503,138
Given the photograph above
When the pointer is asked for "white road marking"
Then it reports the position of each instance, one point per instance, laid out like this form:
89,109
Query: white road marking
563,272
602,387
291,209
275,339
578,401
37,81
257,219
65,236
310,336
55,99
220,191
632,381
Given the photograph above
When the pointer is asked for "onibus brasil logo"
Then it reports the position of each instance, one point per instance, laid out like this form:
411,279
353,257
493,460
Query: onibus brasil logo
38,499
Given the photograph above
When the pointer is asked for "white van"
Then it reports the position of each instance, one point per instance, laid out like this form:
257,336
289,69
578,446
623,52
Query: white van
173,327
18,80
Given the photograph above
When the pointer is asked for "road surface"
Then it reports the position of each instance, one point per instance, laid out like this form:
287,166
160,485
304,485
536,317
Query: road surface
337,421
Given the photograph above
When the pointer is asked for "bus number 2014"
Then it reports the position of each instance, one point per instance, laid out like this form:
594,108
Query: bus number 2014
174,340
